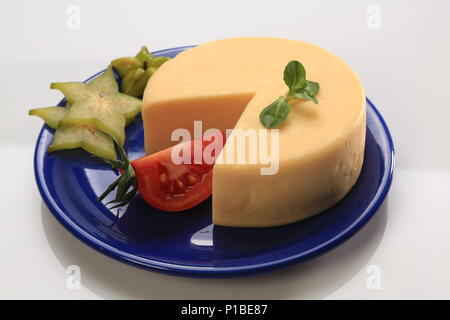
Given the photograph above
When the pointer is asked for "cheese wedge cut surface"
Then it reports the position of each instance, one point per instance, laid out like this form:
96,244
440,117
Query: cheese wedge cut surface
225,84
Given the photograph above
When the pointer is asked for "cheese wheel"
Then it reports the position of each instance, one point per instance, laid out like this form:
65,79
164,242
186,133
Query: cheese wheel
225,84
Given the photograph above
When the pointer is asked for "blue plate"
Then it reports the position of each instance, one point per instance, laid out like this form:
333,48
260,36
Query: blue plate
186,243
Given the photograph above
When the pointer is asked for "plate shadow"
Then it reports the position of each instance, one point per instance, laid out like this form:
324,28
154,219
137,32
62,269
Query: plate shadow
314,279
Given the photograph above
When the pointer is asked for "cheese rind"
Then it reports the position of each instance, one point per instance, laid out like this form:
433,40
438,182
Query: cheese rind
226,83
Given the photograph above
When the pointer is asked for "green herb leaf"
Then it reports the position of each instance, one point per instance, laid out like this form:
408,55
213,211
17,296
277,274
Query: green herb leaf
295,76
299,88
312,88
306,96
308,92
275,113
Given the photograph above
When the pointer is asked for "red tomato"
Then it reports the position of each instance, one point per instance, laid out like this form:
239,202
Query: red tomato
169,186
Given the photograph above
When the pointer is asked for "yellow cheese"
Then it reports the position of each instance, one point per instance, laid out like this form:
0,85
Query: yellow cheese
226,83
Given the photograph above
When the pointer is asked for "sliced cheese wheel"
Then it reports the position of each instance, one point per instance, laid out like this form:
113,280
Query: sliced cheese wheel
226,83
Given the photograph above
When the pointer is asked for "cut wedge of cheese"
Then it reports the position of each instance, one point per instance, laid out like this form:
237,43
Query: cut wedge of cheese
226,83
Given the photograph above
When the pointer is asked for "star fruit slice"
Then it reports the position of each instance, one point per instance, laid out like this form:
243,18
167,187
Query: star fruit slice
72,137
145,56
91,140
125,65
98,114
99,101
50,115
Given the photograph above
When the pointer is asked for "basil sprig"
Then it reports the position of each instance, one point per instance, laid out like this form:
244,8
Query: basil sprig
299,88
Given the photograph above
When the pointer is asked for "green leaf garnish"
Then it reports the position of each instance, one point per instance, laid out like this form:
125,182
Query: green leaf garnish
295,76
305,96
312,88
275,113
299,88
309,92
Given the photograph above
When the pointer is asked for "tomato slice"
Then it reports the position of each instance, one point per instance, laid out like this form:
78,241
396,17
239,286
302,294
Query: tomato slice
169,185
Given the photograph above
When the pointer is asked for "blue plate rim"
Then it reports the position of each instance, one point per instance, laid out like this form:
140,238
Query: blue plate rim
177,269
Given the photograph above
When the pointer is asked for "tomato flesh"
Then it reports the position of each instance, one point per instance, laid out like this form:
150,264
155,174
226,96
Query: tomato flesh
169,186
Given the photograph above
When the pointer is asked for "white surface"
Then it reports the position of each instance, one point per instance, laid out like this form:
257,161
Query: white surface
404,66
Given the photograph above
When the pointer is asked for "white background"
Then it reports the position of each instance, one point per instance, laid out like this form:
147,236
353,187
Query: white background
404,66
